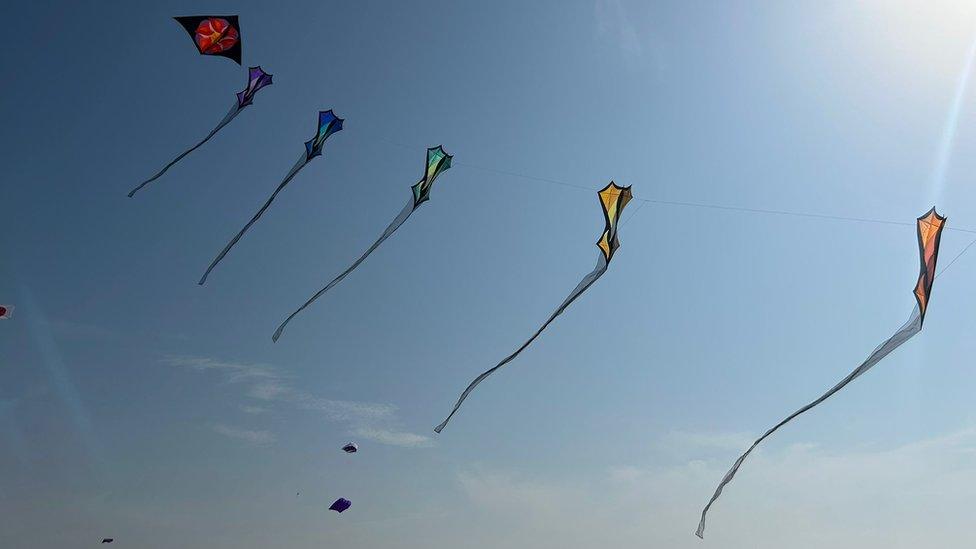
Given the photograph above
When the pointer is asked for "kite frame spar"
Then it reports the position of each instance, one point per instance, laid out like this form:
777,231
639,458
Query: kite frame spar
928,246
613,199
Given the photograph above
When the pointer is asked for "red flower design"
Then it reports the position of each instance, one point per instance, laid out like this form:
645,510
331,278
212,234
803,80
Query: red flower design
215,35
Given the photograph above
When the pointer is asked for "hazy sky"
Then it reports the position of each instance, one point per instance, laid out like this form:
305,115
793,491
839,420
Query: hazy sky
137,405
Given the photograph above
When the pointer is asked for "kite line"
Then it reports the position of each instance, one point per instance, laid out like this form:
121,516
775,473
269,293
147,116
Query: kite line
726,207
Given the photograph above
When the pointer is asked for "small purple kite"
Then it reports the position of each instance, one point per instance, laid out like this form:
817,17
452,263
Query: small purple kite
256,80
350,448
6,311
340,505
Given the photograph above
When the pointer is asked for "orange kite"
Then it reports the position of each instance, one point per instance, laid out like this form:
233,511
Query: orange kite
929,229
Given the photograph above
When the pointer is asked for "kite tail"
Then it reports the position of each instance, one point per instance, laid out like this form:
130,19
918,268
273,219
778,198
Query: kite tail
298,166
907,330
230,116
588,280
404,214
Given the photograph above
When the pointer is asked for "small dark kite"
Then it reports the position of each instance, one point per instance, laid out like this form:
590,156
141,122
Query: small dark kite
340,505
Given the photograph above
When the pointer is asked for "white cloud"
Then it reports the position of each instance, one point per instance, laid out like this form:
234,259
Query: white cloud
251,437
269,390
265,384
234,372
393,438
800,496
253,410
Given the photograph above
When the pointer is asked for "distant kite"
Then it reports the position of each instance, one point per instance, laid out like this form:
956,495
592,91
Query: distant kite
340,505
214,34
329,124
613,199
929,228
256,80
108,540
438,162
6,311
350,448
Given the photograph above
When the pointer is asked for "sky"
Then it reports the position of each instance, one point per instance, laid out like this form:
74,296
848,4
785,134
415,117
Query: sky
137,405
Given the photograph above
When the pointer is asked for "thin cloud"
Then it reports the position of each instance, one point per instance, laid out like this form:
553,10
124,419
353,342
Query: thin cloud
393,438
800,496
258,438
266,385
254,410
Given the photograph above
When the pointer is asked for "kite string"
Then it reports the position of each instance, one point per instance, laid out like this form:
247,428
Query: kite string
641,205
946,268
682,203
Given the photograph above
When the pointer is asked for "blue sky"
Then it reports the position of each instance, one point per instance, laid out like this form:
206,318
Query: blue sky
137,405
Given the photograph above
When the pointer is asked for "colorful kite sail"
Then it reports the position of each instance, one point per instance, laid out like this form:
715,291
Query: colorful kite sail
929,229
6,311
256,80
340,505
329,124
214,34
613,199
438,162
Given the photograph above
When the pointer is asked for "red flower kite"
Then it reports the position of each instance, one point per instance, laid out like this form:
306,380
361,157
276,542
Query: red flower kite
214,34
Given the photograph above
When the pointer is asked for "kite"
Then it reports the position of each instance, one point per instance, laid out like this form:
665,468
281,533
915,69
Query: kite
256,79
108,540
340,505
350,448
329,124
6,311
214,34
613,199
438,161
929,228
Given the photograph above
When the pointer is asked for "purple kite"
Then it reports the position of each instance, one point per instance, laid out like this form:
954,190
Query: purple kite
256,80
6,311
340,505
